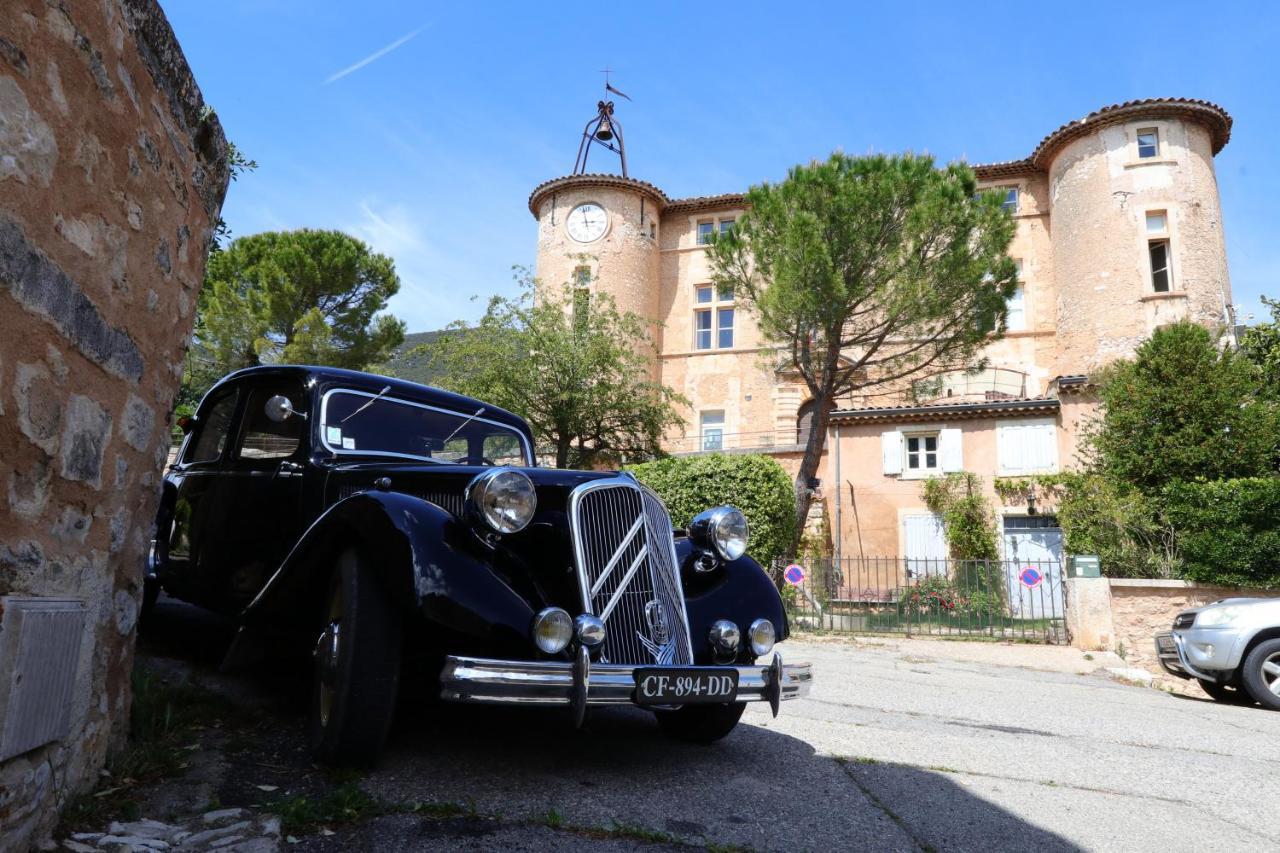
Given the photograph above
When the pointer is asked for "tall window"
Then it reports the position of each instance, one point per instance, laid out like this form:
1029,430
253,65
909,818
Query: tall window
726,225
1010,202
705,230
722,300
1158,251
702,329
724,328
713,430
1148,143
1017,310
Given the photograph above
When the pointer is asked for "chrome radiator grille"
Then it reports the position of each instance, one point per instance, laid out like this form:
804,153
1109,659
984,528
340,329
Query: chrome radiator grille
627,571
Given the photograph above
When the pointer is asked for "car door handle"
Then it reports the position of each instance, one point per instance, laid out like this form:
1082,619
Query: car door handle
288,469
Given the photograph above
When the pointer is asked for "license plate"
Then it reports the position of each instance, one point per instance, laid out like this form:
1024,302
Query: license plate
686,685
1166,644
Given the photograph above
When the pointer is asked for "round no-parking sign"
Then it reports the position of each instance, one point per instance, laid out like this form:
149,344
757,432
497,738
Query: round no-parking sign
1031,577
794,575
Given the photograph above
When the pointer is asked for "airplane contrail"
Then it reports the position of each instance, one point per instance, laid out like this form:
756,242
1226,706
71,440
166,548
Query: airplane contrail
373,57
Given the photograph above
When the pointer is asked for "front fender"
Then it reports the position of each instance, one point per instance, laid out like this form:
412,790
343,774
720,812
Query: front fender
426,560
739,591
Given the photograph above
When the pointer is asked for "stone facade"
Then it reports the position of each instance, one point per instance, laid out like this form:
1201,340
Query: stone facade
1088,297
112,175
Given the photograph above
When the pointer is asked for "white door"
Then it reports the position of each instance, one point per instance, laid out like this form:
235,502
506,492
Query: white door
924,545
1033,549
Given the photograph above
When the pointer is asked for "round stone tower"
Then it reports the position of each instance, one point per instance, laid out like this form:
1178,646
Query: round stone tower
600,233
1136,226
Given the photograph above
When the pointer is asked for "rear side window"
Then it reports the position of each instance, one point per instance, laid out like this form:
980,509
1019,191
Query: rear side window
213,428
263,438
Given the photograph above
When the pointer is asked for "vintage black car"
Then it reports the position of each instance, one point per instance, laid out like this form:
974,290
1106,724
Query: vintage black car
392,528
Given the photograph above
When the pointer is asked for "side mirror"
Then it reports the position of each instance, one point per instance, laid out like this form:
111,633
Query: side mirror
279,409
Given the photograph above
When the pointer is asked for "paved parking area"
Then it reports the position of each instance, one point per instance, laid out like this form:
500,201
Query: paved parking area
911,745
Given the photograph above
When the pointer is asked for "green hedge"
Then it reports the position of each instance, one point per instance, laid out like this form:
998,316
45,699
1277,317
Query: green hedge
1228,531
755,484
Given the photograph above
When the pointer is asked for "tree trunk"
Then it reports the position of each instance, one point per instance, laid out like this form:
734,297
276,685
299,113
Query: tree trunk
563,444
813,448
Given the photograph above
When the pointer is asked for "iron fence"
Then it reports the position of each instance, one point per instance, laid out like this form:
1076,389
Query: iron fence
1004,599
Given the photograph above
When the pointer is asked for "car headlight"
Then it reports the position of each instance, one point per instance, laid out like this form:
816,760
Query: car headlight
723,528
504,498
1218,616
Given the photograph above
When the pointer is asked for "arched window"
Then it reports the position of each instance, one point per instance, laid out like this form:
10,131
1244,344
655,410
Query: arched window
804,421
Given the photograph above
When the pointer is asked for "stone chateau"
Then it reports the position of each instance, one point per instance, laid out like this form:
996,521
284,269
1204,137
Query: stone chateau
1119,231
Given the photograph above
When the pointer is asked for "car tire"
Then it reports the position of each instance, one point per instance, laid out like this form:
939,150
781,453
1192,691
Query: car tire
1229,694
1262,674
356,667
701,723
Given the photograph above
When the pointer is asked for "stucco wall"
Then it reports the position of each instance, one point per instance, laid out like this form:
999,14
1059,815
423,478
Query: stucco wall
111,178
1140,609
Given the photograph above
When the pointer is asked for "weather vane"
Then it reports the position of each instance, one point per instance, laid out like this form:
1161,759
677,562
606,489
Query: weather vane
602,130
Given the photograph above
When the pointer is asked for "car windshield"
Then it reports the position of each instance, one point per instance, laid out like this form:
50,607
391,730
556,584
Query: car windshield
364,422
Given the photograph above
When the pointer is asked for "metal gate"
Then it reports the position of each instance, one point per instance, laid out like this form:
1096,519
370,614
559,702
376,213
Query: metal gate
1015,599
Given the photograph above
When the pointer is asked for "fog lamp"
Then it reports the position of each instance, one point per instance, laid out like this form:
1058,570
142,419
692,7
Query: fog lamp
725,636
552,630
589,630
762,636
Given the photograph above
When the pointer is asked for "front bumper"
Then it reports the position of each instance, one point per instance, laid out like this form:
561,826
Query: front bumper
582,683
1206,653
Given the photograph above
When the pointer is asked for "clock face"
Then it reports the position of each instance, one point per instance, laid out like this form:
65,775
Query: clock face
587,222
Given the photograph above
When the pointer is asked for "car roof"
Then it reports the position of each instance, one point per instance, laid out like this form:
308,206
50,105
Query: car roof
362,381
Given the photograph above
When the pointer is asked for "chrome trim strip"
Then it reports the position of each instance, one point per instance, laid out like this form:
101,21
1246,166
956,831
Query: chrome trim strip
626,579
617,557
503,682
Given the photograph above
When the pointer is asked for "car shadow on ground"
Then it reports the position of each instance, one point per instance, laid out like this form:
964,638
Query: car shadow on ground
506,778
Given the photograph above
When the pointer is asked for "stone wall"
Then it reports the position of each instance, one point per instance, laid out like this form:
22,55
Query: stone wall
112,175
1142,608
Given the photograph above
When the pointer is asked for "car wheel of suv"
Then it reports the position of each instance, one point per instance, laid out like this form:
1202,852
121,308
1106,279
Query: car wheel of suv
1262,674
701,723
357,667
1230,694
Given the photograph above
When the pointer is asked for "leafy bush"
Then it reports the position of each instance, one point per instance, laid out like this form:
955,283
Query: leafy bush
966,515
1228,531
1118,523
755,484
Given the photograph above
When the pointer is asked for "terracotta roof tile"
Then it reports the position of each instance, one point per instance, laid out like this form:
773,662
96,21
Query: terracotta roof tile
948,411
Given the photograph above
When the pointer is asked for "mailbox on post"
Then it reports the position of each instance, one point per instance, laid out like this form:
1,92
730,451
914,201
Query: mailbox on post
1084,566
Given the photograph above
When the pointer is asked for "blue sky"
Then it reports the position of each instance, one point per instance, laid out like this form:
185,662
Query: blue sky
429,150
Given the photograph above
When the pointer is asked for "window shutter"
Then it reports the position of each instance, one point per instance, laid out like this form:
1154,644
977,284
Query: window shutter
949,451
1027,448
891,451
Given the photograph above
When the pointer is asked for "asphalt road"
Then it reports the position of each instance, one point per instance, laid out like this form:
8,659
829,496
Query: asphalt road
894,749
909,745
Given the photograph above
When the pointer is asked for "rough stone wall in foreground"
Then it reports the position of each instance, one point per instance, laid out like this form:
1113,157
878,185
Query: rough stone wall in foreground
112,175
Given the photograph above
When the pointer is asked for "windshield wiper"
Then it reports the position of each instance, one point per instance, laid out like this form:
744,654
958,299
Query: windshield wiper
366,405
479,412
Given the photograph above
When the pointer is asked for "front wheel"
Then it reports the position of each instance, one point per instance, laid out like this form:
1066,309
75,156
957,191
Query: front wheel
1230,694
357,667
1262,674
701,723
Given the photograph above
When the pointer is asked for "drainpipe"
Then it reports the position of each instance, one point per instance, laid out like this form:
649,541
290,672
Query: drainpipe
839,480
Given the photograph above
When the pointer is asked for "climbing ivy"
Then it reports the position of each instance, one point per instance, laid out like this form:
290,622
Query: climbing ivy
966,515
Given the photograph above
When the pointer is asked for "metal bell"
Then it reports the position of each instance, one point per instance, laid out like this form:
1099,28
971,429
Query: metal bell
605,130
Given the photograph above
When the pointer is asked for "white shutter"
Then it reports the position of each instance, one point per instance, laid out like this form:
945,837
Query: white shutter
1027,447
891,451
950,452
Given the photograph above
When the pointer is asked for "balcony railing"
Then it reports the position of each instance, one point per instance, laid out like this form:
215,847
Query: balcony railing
715,442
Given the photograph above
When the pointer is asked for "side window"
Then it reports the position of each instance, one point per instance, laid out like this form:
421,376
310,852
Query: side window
213,431
503,449
263,438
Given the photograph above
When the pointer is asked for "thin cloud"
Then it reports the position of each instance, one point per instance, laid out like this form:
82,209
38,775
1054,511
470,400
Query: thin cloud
373,57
